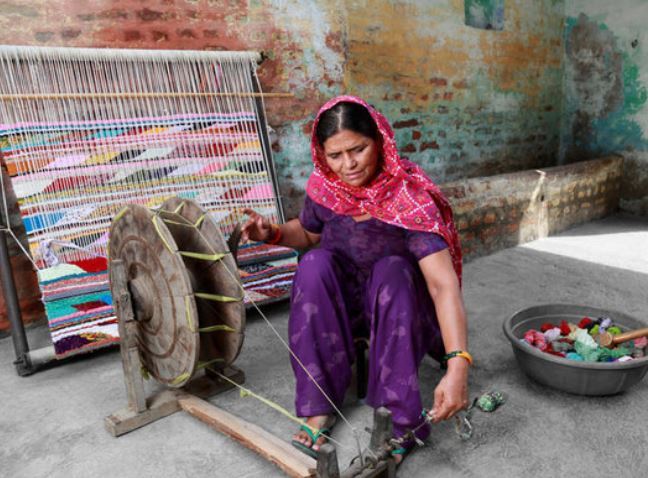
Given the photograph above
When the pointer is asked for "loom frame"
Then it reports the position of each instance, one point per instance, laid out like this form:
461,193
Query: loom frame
29,361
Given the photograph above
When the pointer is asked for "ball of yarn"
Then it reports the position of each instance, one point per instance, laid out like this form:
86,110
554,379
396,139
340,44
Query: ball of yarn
536,339
552,334
546,326
489,401
585,323
560,346
605,323
574,356
614,330
641,342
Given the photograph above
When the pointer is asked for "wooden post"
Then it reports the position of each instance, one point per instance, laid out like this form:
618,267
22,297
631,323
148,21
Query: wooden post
128,338
383,430
327,462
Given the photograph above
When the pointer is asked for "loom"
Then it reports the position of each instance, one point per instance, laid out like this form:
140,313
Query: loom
85,131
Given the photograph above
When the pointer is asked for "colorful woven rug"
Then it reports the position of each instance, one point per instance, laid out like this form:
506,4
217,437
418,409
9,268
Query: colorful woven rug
71,178
79,305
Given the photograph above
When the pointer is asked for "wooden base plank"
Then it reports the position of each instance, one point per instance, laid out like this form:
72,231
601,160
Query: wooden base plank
158,406
294,463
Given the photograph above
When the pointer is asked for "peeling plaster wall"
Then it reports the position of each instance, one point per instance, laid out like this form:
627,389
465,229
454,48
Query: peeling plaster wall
465,101
605,90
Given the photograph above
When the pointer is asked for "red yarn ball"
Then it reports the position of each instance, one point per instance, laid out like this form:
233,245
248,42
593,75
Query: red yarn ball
547,326
585,322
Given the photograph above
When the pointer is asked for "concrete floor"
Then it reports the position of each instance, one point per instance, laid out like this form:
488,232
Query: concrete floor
51,423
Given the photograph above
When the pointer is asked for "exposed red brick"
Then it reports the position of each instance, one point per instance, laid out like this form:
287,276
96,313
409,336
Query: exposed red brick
159,36
416,135
113,14
132,35
148,15
406,123
187,33
211,33
410,148
448,95
438,81
490,218
463,84
429,145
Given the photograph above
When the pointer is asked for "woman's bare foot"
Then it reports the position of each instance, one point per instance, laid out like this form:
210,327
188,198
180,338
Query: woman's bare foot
317,422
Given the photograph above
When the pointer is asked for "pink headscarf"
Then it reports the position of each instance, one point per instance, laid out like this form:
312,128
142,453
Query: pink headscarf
401,194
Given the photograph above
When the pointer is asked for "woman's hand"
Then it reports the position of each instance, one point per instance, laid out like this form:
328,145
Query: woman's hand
257,227
451,395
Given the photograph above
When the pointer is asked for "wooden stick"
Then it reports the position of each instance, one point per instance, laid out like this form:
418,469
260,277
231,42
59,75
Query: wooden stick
294,463
128,334
77,96
608,340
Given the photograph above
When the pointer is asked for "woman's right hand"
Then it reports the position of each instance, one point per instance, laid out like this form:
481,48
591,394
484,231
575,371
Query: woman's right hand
257,227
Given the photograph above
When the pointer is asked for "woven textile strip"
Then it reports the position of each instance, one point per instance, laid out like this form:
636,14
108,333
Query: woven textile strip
67,203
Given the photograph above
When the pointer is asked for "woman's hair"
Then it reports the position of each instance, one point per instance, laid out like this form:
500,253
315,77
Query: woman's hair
346,115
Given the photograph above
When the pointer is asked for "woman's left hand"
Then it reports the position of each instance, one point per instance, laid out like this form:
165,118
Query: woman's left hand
451,395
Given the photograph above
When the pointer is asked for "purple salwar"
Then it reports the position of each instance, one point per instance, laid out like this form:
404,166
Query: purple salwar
364,281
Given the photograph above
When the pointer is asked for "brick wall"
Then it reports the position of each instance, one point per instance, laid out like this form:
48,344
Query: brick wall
466,101
496,212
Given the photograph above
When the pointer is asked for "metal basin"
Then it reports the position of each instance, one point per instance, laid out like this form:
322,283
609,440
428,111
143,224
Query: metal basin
582,378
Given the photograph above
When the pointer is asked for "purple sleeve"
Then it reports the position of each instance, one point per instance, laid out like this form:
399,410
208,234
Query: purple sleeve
422,244
308,217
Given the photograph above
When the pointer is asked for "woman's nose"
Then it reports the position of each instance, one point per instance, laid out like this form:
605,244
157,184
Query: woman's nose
349,161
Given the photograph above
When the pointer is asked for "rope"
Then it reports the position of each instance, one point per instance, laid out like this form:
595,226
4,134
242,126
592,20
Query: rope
245,392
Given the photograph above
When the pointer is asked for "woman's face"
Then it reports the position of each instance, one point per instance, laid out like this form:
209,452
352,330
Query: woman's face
352,156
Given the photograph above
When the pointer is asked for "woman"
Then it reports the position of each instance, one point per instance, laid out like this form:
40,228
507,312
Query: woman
388,268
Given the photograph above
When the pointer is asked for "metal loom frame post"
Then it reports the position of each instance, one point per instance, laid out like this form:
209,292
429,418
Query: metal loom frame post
265,144
30,361
18,336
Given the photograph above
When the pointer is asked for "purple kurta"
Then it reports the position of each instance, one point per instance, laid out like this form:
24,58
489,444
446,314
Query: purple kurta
363,280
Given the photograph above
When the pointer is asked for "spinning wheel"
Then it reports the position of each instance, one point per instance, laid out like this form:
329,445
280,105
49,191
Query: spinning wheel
179,300
184,288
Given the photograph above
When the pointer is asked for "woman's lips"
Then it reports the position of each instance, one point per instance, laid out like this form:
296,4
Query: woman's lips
354,175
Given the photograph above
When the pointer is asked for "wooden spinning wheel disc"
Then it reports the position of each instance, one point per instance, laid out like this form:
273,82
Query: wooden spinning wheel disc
162,297
198,232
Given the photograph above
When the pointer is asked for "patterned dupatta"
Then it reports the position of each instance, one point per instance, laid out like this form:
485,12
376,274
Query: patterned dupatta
401,194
